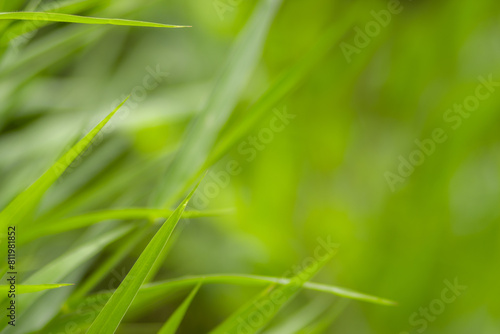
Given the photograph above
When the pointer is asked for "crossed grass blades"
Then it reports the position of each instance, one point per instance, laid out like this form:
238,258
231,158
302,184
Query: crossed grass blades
201,147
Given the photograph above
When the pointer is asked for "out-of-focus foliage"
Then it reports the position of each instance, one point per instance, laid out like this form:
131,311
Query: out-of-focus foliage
369,127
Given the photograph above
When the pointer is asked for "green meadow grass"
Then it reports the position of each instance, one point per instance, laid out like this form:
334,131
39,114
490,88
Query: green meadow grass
108,235
188,163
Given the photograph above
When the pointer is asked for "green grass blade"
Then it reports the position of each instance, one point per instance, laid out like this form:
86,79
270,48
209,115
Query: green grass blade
105,268
24,204
107,186
255,280
111,315
205,128
23,27
152,293
272,299
161,258
64,266
69,18
175,320
23,288
88,219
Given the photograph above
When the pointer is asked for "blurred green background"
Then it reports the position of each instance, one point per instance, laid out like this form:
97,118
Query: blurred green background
323,176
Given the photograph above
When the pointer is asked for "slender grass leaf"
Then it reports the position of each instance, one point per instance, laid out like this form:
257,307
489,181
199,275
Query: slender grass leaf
149,295
109,185
175,320
256,280
111,315
105,267
272,299
63,266
23,288
55,46
66,7
69,18
25,203
162,256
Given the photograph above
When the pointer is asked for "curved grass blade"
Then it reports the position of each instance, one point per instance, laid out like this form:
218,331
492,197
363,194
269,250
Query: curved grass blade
22,288
26,202
160,288
175,320
149,295
111,315
205,128
272,299
70,18
91,218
